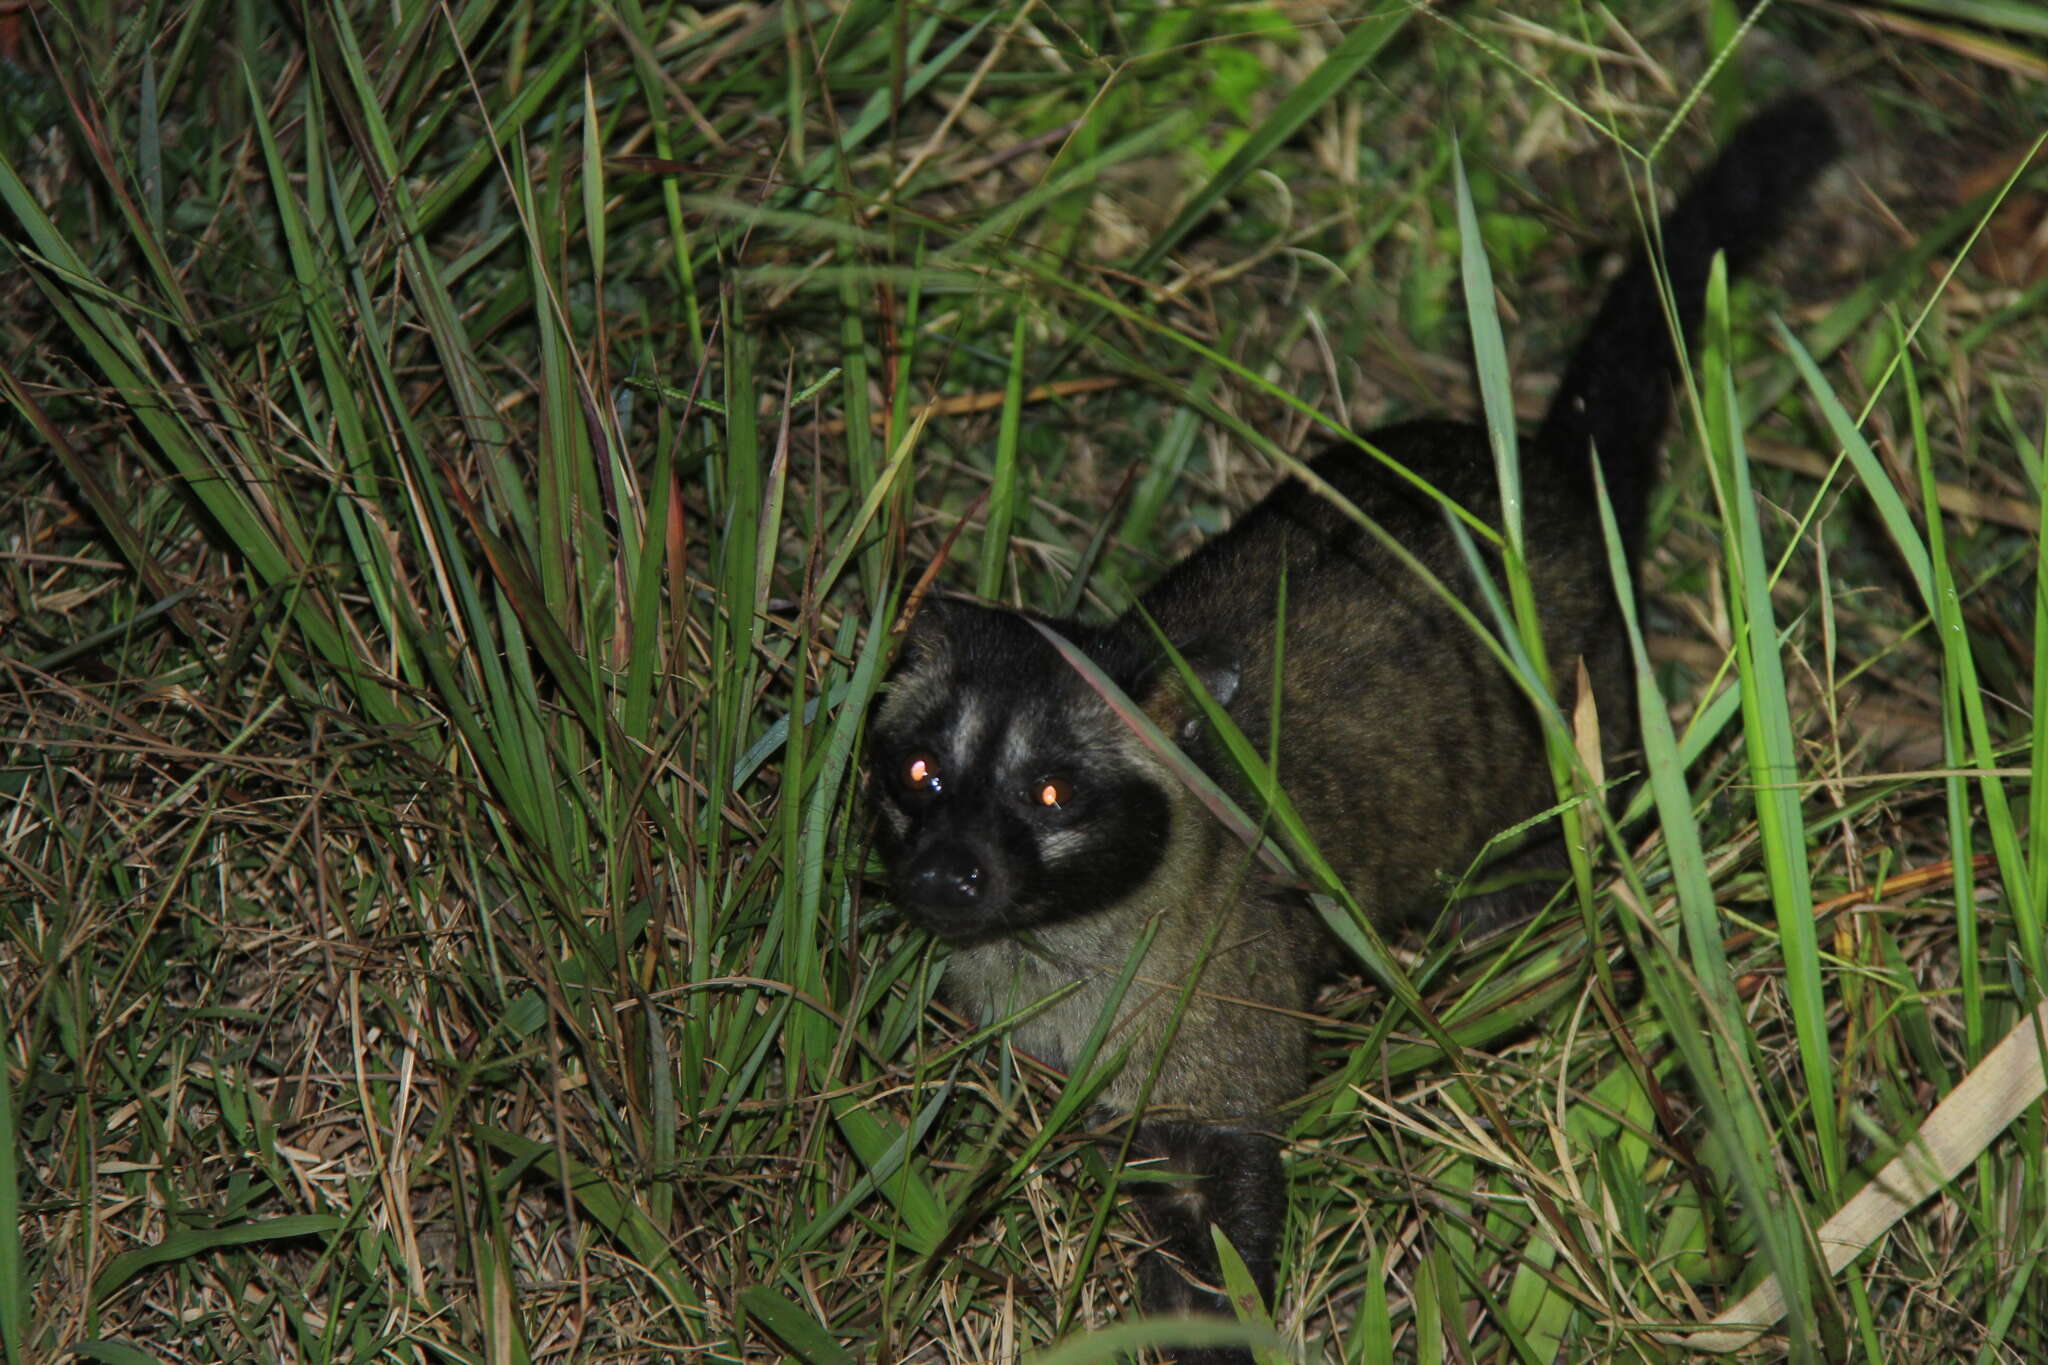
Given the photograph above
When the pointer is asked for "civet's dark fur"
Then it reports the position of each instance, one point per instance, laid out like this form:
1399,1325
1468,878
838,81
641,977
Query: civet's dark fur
1402,743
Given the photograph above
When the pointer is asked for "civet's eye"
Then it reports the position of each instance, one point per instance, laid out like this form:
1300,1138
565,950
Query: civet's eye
1051,793
921,773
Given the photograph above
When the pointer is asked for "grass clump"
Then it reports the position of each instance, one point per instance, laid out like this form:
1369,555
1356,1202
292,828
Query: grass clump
462,464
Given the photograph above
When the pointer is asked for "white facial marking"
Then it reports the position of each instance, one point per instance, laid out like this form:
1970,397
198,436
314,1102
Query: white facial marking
1017,751
1057,844
965,739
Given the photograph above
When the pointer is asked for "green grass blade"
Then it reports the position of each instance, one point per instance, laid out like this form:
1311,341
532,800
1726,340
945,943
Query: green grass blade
798,1330
14,1300
1490,360
1002,499
191,1242
1775,794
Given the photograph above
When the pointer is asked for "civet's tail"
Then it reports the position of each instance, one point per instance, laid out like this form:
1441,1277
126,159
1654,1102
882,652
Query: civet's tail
1616,393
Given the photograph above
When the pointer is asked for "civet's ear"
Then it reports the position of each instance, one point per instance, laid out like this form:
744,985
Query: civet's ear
925,589
1171,701
928,626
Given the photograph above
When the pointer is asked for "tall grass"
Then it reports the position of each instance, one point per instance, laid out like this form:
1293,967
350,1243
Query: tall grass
464,464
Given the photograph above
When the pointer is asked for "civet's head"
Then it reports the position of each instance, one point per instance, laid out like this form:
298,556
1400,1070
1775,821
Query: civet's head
1009,794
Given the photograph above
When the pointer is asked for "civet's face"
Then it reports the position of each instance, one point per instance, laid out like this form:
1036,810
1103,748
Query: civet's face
1009,794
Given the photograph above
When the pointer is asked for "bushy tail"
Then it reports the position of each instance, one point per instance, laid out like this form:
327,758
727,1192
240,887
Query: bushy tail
1617,391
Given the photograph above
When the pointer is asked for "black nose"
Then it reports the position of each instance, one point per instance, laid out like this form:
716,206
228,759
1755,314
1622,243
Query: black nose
947,876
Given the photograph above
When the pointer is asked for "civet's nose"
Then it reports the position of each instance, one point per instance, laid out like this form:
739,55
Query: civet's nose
946,876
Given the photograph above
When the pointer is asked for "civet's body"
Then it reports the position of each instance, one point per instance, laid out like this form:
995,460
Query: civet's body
1024,823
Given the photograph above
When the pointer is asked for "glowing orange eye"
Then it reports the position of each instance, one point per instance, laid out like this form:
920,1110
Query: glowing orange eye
922,772
1052,793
